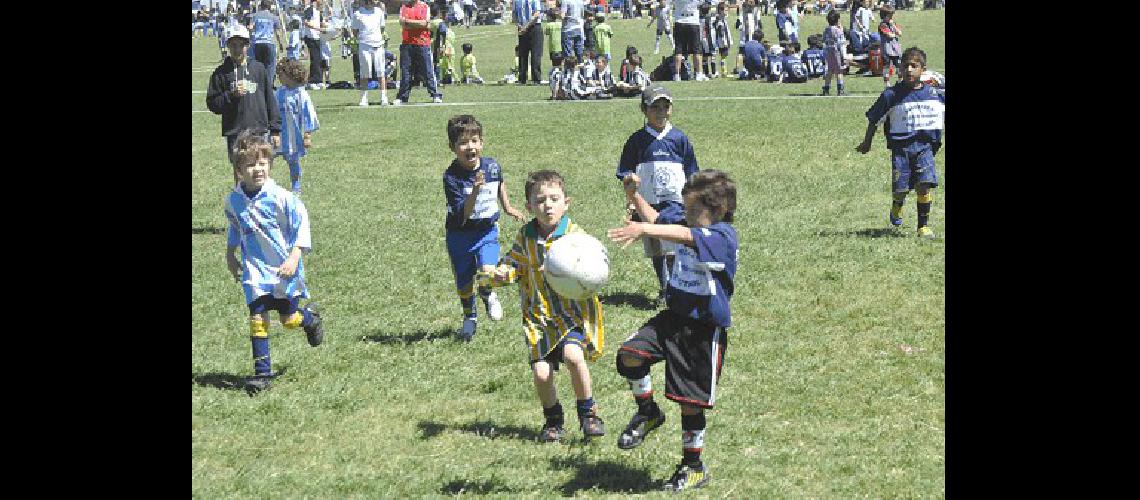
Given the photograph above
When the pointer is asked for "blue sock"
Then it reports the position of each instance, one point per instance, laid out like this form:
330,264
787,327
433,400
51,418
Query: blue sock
585,406
261,363
295,172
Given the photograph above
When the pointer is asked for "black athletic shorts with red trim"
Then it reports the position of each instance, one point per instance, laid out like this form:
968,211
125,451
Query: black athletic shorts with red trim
693,353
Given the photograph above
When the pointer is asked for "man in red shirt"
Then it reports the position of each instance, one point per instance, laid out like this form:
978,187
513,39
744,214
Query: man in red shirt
415,50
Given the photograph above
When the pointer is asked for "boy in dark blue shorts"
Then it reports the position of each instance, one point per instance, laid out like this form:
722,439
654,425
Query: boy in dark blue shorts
690,335
912,113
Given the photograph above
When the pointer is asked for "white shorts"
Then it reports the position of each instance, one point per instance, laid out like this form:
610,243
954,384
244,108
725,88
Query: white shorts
371,61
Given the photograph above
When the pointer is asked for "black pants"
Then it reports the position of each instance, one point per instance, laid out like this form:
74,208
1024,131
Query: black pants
530,51
314,46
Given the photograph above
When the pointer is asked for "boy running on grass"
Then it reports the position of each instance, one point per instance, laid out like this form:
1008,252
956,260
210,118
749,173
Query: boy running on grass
691,334
558,330
271,226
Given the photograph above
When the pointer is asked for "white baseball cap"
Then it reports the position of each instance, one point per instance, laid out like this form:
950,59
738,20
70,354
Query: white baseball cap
238,31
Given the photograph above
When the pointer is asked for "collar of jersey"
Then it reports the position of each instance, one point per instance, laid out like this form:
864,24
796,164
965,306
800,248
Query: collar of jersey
264,189
559,230
659,135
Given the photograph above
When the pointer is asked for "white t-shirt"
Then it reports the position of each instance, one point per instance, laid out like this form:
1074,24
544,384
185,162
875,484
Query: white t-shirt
687,11
370,22
309,32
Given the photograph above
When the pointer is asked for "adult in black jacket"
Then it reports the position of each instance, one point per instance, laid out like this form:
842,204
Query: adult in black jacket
240,91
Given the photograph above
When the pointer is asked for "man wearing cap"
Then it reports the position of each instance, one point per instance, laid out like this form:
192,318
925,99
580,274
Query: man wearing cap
240,91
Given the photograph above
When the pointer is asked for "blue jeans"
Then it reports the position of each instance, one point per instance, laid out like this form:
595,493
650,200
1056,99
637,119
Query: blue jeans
416,58
572,44
266,54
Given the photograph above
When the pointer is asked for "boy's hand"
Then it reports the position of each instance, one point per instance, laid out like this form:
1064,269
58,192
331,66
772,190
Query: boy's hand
308,141
479,181
234,267
627,234
630,183
502,274
518,215
863,147
277,141
288,268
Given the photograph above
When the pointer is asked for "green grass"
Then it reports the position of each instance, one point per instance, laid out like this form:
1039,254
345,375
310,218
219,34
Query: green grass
834,380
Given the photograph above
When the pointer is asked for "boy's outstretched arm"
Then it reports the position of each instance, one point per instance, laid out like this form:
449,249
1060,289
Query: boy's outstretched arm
505,201
865,146
469,203
634,230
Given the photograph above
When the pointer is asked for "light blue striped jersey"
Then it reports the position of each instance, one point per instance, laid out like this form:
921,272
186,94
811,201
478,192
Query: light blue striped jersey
663,161
264,24
298,115
910,114
266,228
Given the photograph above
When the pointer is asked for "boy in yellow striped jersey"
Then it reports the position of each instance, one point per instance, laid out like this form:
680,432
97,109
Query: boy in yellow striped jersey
557,329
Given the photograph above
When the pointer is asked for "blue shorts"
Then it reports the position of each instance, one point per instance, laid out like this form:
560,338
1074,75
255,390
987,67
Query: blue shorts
911,165
554,357
470,250
267,302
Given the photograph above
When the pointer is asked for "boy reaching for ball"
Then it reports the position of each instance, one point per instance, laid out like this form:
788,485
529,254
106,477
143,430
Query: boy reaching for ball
691,334
557,329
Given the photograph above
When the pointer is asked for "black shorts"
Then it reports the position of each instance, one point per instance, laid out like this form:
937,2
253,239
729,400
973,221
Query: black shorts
693,353
687,37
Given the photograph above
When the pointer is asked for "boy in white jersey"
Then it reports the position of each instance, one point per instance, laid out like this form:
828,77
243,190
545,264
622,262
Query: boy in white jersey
271,227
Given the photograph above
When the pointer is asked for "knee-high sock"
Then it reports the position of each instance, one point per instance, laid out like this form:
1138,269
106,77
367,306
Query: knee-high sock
692,438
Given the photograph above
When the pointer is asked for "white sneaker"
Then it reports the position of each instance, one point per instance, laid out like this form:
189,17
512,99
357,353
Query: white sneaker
676,78
437,99
312,86
384,101
467,332
397,102
702,78
364,100
494,308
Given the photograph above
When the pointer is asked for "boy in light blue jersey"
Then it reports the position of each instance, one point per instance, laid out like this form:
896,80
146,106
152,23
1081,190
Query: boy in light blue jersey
271,227
913,114
659,158
473,186
298,118
691,334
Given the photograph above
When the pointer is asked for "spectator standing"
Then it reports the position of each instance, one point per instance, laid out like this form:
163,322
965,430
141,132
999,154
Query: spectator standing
528,19
415,51
687,30
573,38
264,27
311,34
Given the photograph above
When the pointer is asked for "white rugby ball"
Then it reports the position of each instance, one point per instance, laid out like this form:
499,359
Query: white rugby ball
577,266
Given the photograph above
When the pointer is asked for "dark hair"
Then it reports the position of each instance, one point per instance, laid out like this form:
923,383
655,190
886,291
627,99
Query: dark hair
461,125
535,179
294,24
553,14
714,190
758,35
570,60
250,146
833,17
887,11
266,4
914,52
635,60
467,48
292,68
590,54
630,50
556,57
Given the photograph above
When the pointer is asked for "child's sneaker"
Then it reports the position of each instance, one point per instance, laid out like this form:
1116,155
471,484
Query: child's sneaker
315,332
384,101
701,77
364,100
639,427
592,425
494,308
896,216
688,477
926,232
826,91
258,383
551,433
437,99
467,332
676,78
841,92
398,102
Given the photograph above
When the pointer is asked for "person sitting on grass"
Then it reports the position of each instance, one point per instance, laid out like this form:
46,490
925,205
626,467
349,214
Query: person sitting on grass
470,71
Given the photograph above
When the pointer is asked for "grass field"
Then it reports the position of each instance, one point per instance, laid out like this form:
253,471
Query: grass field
834,378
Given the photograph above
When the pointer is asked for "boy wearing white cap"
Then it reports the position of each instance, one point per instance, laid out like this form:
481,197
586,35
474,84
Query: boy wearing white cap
240,90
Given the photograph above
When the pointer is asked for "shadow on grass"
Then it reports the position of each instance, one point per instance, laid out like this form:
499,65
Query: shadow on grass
229,381
208,230
407,338
874,232
483,428
605,475
637,300
460,486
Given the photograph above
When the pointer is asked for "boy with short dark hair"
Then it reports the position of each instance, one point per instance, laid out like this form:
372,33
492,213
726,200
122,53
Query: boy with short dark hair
658,157
271,227
691,334
474,187
913,112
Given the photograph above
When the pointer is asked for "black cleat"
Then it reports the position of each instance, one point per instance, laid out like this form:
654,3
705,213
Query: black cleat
688,477
639,427
258,383
592,425
315,332
551,433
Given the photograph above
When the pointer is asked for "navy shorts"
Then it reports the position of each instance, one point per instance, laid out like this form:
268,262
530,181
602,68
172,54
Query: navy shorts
554,357
266,303
471,250
911,165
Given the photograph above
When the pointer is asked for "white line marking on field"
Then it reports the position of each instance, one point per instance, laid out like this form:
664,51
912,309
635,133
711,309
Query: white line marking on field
197,91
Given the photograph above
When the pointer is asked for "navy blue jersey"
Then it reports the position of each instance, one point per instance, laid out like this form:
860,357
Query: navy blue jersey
701,283
910,114
816,65
755,56
458,183
663,161
775,67
794,69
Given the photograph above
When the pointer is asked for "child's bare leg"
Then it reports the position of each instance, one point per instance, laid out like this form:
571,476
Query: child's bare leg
579,371
544,383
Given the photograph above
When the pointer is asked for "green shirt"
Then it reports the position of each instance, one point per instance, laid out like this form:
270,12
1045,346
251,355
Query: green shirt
602,34
553,32
468,65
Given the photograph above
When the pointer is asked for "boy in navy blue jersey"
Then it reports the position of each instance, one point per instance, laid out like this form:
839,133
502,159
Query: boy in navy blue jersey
754,57
913,113
271,227
658,158
813,57
474,187
794,70
690,335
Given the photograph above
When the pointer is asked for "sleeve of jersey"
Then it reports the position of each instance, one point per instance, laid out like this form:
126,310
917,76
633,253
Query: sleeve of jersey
714,248
216,98
878,111
690,159
671,213
453,190
309,114
299,223
628,162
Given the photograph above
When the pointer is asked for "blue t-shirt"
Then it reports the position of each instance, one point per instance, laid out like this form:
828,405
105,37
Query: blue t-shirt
264,24
663,160
754,55
910,114
701,283
458,183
